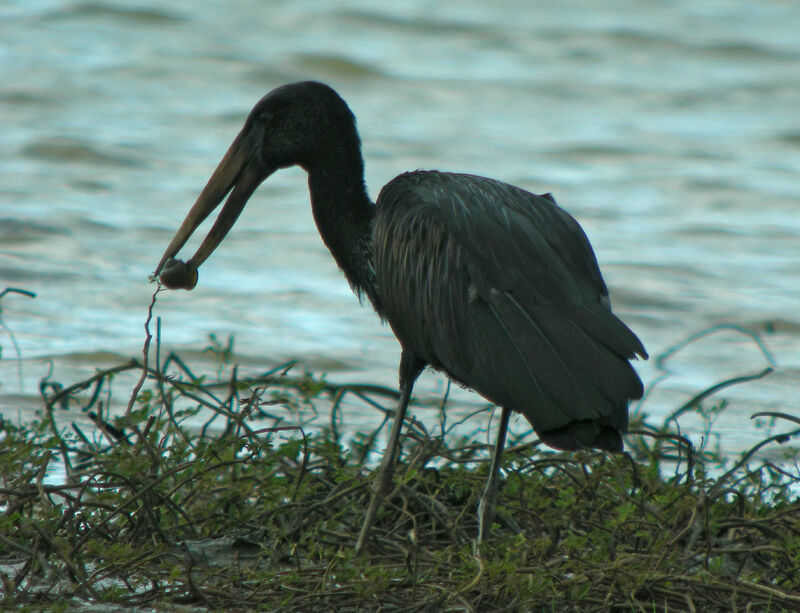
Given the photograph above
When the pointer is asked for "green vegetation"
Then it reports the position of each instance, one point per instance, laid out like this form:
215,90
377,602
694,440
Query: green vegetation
201,496
229,515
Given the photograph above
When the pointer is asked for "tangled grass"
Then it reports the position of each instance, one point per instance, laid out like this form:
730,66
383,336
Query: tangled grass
247,513
202,497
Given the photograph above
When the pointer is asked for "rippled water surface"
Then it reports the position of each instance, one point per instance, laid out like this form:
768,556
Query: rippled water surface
670,130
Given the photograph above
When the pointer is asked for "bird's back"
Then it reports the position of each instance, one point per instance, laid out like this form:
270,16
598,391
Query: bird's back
500,288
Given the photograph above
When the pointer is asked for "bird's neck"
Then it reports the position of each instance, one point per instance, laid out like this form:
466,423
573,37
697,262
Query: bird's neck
344,214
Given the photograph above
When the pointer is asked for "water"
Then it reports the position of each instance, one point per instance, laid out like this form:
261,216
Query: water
670,130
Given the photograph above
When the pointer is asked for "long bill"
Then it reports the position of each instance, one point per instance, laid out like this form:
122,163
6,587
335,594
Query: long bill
240,173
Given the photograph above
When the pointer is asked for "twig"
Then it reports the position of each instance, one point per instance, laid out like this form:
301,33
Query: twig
145,354
14,344
694,401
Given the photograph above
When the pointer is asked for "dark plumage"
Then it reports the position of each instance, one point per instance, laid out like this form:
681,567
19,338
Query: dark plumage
493,285
500,288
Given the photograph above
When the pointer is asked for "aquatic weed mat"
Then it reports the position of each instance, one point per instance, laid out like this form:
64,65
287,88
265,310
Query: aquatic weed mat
202,496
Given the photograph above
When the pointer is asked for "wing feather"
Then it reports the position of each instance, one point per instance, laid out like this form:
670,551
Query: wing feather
500,288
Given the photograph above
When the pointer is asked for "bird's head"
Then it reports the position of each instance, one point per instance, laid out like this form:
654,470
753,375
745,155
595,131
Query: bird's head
302,124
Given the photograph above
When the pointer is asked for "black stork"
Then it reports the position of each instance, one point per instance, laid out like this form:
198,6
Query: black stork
495,286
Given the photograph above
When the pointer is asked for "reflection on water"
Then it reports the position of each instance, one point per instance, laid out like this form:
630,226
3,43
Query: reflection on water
669,130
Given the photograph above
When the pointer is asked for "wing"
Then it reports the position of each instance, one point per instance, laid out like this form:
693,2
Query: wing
500,288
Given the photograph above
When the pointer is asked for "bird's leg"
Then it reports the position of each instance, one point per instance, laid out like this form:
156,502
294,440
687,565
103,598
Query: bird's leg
409,371
486,506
